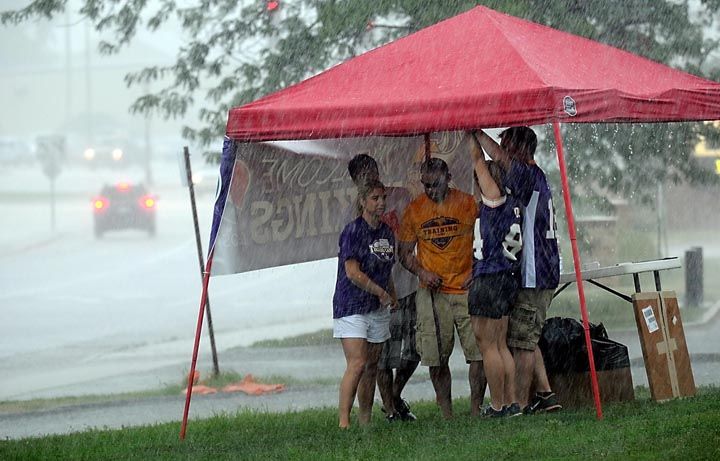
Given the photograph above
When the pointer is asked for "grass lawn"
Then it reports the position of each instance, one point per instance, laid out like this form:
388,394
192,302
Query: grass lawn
679,429
318,338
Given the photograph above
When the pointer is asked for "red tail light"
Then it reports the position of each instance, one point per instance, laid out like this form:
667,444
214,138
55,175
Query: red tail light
100,204
123,186
148,201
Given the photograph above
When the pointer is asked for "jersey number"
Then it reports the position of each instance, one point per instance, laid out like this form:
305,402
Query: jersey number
513,242
477,241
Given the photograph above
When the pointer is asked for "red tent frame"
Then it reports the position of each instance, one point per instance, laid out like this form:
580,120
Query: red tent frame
450,88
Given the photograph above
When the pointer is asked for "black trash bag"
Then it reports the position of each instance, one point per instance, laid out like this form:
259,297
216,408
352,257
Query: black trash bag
562,344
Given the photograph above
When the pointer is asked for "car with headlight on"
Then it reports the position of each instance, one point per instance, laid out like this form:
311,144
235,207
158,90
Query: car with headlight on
124,206
112,151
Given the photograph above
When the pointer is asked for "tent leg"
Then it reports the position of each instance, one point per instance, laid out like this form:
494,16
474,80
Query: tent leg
196,346
576,262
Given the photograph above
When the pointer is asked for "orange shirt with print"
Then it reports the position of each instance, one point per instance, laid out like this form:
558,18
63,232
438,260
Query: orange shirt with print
443,233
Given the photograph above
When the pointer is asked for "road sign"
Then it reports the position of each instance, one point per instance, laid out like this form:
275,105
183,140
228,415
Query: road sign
51,153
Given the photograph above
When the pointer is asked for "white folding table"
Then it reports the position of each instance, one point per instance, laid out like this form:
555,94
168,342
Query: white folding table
634,268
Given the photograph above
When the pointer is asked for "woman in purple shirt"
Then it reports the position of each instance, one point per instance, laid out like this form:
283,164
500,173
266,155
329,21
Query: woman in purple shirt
363,292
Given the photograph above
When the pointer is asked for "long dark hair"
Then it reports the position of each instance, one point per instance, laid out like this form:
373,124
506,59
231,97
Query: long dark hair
521,143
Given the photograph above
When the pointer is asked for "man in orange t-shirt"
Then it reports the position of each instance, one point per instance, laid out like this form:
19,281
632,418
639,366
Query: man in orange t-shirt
440,225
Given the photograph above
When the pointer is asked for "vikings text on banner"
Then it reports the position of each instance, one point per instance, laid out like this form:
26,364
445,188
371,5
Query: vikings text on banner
286,202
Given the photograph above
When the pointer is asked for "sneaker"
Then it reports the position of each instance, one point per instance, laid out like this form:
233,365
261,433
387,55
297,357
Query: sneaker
512,410
548,404
490,412
392,418
403,410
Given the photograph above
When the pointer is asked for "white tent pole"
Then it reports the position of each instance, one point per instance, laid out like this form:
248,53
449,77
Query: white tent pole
577,264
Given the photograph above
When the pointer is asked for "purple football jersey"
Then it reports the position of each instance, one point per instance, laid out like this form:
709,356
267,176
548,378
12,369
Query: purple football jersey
498,242
540,266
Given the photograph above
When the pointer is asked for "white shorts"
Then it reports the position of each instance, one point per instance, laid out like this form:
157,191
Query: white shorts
373,326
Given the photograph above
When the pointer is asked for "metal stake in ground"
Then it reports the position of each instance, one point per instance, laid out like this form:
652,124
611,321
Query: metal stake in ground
201,260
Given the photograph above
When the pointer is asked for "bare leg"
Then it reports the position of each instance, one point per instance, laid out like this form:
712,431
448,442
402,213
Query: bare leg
541,378
355,350
486,334
386,388
508,363
366,387
442,382
524,369
478,383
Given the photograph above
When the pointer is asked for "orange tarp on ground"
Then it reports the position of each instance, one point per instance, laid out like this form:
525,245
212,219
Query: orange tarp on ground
247,385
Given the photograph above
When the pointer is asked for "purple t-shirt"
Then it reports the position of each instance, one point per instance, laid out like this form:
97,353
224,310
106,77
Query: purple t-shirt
374,250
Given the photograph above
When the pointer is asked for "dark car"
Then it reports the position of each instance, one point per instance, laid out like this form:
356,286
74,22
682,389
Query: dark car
124,206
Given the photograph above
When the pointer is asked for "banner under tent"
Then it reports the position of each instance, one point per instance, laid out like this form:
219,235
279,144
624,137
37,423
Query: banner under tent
288,200
285,193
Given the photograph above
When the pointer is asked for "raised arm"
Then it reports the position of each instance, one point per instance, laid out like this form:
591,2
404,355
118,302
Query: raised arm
493,149
488,186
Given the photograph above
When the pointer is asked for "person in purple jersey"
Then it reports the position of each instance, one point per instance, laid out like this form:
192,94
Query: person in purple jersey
363,291
540,263
399,358
494,283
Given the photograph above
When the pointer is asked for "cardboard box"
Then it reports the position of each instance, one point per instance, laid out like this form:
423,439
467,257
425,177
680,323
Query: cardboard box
664,349
574,389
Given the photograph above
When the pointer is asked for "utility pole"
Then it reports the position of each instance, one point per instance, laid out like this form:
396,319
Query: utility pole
88,88
68,67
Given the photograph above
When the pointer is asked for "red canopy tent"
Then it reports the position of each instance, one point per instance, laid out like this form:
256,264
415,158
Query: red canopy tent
479,69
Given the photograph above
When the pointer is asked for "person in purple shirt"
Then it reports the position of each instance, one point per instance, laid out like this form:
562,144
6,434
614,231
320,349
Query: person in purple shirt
364,291
495,278
399,358
540,264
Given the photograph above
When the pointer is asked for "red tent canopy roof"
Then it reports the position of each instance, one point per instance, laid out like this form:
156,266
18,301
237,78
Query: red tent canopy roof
479,69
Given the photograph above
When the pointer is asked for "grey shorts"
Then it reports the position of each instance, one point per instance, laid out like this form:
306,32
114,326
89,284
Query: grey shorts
527,317
400,349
